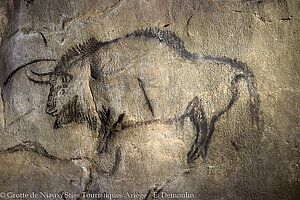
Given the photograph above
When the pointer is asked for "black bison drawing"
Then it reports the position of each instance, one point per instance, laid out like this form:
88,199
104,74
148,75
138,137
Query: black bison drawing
68,103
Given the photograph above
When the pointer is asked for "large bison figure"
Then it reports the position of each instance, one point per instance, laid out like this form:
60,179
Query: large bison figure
136,68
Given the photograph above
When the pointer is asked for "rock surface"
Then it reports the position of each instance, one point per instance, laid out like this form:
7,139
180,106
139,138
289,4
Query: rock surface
197,98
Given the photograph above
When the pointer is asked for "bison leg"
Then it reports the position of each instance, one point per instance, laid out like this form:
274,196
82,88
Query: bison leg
107,129
215,118
197,116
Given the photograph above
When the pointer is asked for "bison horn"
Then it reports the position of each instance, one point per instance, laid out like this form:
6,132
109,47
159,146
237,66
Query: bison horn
41,74
41,78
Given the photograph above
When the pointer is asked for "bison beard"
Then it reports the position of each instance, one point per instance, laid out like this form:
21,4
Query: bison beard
73,112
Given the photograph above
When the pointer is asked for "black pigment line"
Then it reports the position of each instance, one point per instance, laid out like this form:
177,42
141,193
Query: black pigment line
22,66
108,130
119,121
111,130
118,158
240,66
166,37
104,130
3,108
41,74
105,117
44,39
134,124
248,76
197,115
141,84
215,118
38,82
35,147
30,146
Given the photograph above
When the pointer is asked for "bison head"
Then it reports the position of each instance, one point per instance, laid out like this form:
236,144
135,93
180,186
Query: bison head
59,84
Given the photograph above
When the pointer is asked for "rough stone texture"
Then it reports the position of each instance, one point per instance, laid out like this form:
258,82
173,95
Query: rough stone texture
152,84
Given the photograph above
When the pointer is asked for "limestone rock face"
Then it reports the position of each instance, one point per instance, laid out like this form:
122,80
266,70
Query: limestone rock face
134,99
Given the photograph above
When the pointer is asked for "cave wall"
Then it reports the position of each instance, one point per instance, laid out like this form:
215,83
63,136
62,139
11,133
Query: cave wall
129,97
